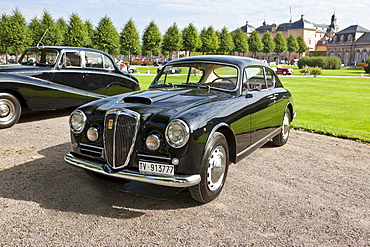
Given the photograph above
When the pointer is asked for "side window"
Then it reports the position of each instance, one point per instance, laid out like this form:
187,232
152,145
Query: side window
108,63
70,59
93,60
255,79
270,78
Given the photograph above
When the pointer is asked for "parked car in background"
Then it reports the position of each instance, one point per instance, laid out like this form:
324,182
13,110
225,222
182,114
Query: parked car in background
284,71
185,130
57,77
294,62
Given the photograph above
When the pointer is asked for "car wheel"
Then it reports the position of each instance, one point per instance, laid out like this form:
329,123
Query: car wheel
213,170
10,110
284,72
283,136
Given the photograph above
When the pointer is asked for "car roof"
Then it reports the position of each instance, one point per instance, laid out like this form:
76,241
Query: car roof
59,48
235,60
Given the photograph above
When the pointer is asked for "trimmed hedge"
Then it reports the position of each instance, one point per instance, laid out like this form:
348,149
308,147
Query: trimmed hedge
322,62
367,69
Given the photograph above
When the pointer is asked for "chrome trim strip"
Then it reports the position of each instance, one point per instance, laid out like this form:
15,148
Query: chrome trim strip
153,157
178,181
268,137
90,146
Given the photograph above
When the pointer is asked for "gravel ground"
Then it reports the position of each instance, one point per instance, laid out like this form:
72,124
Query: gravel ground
314,191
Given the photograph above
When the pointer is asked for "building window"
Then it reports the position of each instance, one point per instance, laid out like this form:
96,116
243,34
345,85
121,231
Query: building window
339,54
364,56
346,57
350,38
357,56
332,54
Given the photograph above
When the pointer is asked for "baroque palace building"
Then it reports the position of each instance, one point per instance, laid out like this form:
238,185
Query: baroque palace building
351,44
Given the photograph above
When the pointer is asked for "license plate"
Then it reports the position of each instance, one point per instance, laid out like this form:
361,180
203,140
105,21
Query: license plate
156,169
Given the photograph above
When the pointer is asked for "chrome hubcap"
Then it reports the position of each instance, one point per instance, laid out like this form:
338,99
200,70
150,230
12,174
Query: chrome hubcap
286,126
216,168
6,109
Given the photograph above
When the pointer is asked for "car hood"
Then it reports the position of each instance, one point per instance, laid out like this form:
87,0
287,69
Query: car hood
170,103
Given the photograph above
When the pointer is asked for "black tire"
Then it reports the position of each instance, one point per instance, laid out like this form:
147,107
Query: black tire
10,110
282,138
284,72
213,170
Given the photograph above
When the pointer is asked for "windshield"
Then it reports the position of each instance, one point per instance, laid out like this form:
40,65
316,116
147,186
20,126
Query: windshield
38,57
199,74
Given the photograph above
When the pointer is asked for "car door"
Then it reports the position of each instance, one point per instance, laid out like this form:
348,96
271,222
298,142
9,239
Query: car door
102,75
262,102
69,80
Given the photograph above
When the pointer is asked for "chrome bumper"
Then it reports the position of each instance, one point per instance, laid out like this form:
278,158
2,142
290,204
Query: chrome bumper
179,181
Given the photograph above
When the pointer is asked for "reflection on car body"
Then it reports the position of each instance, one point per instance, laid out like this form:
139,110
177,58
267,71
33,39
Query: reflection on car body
55,77
187,128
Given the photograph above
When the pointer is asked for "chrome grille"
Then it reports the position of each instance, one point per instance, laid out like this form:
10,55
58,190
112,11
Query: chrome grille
120,132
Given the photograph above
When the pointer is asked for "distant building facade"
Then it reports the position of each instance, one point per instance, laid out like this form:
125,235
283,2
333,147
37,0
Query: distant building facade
316,36
351,44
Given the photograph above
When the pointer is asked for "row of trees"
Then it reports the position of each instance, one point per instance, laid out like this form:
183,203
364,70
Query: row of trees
16,34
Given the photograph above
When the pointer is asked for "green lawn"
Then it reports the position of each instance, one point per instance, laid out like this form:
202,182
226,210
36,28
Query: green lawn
333,106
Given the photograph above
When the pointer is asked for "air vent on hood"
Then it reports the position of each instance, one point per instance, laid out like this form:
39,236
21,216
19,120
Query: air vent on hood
140,100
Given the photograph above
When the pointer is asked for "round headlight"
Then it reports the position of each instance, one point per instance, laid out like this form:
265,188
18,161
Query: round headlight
92,134
177,133
153,142
77,121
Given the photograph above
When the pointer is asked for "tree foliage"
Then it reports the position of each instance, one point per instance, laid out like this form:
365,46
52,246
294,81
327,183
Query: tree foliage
172,39
255,43
14,33
190,38
226,41
210,40
77,34
152,39
106,37
268,43
130,39
280,44
240,41
302,45
292,44
50,34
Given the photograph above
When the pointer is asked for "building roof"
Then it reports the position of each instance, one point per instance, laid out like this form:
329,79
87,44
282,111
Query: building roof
354,29
364,38
302,24
351,33
247,28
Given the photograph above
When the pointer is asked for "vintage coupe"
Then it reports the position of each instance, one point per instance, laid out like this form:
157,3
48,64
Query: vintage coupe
187,128
54,77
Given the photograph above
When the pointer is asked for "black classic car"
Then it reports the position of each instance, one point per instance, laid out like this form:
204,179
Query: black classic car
55,77
185,130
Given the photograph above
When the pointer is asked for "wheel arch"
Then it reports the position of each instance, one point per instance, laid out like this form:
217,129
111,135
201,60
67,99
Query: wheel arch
18,95
225,129
290,108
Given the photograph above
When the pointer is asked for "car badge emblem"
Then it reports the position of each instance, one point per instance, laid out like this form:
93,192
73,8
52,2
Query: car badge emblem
110,124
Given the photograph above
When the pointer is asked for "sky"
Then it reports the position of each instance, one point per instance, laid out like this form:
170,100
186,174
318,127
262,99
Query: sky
202,13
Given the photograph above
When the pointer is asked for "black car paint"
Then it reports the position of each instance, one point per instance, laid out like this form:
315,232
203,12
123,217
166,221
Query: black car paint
248,119
46,87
